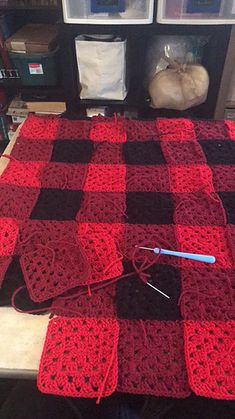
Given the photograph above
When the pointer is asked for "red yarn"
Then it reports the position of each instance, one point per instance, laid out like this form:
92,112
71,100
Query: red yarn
231,129
108,131
175,129
210,358
79,358
156,369
131,183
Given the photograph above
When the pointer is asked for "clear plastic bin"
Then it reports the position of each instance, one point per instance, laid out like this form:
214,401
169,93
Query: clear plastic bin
135,12
197,12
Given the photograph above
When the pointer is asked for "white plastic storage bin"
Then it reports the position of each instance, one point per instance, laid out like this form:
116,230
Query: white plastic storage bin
111,12
196,12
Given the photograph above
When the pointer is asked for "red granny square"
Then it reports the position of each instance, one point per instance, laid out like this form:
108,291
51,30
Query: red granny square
79,357
73,130
190,178
101,251
223,178
23,173
175,129
140,130
9,232
150,358
113,132
29,150
105,178
53,268
107,153
100,303
150,236
207,294
63,176
207,240
231,129
210,129
189,152
147,179
40,128
210,358
198,208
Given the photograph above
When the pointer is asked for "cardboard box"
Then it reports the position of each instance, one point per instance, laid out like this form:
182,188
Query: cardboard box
33,38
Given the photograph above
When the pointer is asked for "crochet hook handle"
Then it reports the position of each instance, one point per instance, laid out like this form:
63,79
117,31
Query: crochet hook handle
192,256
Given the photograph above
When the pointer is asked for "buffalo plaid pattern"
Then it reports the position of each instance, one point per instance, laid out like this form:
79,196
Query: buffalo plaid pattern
113,185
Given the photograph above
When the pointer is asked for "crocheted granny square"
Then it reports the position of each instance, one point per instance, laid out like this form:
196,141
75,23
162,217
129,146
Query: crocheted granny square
79,357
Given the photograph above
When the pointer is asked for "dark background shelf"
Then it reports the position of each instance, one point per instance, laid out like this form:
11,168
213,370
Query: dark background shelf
138,37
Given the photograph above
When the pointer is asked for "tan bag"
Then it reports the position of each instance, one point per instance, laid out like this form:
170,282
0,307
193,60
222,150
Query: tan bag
179,87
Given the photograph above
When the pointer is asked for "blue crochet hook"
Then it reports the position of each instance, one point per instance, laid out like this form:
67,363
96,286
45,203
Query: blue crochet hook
192,256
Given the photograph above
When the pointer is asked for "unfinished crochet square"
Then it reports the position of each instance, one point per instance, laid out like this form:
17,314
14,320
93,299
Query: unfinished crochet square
150,358
23,173
219,152
71,151
211,129
147,179
136,300
144,153
54,268
190,178
188,152
105,178
79,358
57,204
149,208
30,150
175,129
209,353
9,228
17,202
207,240
207,294
228,200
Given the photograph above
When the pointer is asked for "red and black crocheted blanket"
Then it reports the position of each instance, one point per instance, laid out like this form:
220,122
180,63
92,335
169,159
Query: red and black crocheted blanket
76,198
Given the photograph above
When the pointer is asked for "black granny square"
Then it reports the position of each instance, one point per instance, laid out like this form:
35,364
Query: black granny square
70,151
144,153
149,208
136,300
219,152
57,204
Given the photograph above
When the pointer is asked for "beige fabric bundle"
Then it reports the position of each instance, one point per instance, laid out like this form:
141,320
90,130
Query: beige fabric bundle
179,87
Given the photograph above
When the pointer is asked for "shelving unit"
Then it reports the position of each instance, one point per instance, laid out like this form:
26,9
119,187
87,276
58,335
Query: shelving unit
34,14
138,36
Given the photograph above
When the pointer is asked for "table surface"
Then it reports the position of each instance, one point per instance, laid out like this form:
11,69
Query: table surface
22,335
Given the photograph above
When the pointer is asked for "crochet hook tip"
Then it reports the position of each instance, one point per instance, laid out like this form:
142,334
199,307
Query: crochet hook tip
144,248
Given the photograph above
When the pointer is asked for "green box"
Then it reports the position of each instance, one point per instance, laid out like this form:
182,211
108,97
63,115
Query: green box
37,69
